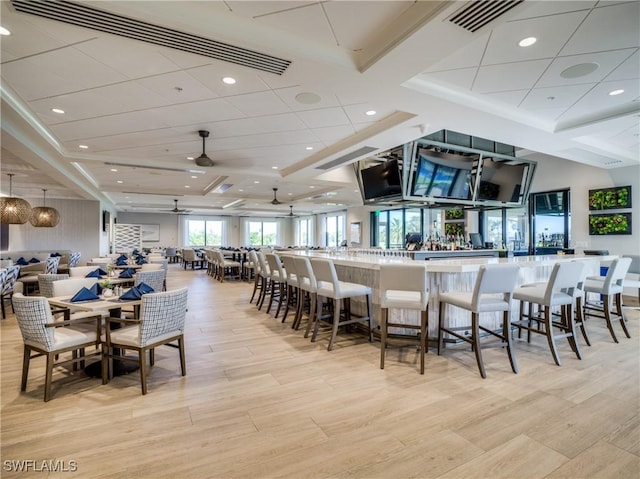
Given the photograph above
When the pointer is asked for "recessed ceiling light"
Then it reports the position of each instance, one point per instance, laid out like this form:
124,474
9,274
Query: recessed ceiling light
4,31
274,167
616,92
309,148
256,182
195,177
312,187
120,181
57,110
84,147
307,98
290,194
229,80
241,191
371,112
190,158
187,186
527,42
114,169
579,70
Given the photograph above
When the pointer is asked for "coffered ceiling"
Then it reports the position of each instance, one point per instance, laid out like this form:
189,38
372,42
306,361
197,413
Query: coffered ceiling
138,106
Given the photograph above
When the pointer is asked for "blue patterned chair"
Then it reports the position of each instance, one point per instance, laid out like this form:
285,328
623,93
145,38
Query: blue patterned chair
6,291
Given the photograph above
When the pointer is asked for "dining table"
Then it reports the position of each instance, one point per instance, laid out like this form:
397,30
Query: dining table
113,305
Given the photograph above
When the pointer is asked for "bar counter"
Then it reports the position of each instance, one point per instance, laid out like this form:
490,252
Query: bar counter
451,274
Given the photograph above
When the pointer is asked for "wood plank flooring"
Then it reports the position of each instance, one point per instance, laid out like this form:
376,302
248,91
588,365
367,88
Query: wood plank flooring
260,401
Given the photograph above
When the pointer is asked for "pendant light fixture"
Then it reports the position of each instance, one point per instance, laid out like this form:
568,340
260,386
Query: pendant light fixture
44,216
14,211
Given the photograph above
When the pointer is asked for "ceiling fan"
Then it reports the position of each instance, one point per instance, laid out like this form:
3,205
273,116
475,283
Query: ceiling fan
275,200
179,210
291,215
203,159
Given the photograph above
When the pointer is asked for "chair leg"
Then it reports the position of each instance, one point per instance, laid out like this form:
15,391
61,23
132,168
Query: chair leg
424,327
550,339
26,357
255,288
105,364
580,322
370,317
263,292
317,318
336,323
4,313
152,356
607,316
440,325
143,370
384,316
572,338
506,333
273,293
475,327
48,376
183,362
620,313
282,296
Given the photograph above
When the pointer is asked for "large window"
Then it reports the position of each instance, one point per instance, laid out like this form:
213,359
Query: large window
304,234
263,233
335,230
391,227
204,233
506,228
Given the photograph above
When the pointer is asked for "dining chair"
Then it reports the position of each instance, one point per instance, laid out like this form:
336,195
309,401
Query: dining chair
45,283
51,265
557,293
277,281
609,288
292,293
161,322
308,288
226,267
44,336
330,287
404,286
154,278
6,289
81,271
492,292
265,279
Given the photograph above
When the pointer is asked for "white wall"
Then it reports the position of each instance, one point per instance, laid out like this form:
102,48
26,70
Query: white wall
552,174
79,229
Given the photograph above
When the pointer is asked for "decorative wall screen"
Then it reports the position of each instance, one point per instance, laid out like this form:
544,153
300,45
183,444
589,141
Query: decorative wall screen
126,237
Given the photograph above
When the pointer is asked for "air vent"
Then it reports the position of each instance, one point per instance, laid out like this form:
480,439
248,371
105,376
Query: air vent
160,168
365,150
477,14
223,187
89,17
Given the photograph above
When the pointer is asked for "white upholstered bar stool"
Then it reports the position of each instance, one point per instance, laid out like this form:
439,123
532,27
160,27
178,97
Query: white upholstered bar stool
404,286
265,278
277,281
331,288
307,286
292,284
610,287
634,269
558,292
492,292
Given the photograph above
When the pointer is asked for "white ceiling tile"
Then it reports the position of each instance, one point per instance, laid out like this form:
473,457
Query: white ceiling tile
462,78
262,103
357,113
331,134
531,9
555,97
288,96
201,112
468,56
607,62
551,32
177,87
598,99
513,97
607,28
373,17
324,117
247,81
549,114
258,8
628,70
511,76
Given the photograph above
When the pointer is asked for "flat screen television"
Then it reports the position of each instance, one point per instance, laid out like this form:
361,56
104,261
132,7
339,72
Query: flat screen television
443,175
381,181
502,181
476,240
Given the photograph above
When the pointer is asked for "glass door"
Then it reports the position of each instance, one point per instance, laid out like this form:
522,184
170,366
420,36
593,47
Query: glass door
549,221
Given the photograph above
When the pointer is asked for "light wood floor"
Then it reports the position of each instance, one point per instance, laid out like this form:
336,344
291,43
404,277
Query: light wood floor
260,401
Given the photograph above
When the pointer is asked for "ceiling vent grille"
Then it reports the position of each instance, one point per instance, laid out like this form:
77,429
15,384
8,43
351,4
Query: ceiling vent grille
89,17
348,157
477,14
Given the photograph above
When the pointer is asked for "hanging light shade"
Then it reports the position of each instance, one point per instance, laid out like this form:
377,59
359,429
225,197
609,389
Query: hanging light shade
44,216
14,211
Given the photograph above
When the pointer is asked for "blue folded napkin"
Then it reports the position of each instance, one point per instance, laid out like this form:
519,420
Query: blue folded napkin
141,261
34,260
93,274
144,288
21,261
133,293
121,262
84,295
122,256
101,272
56,254
96,289
127,273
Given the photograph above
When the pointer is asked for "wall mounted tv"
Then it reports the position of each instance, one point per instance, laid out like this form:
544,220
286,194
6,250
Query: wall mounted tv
381,181
502,180
443,175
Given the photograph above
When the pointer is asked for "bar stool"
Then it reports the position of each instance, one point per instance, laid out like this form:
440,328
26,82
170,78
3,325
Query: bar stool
492,292
331,288
559,291
610,287
277,281
257,278
404,286
292,294
265,278
307,285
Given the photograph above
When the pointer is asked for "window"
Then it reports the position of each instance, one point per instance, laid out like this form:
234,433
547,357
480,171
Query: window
391,227
335,230
304,235
204,233
263,233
